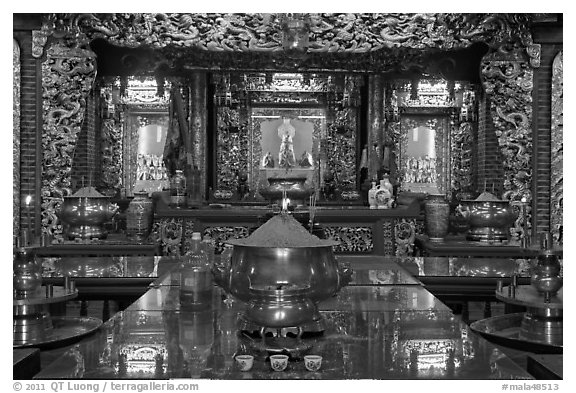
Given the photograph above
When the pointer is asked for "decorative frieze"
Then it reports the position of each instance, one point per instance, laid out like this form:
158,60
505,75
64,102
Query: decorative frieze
327,33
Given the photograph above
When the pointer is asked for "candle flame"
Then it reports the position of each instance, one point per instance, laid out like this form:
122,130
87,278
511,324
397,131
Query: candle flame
28,199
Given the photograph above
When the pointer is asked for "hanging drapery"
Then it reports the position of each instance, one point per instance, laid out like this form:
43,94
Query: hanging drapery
177,150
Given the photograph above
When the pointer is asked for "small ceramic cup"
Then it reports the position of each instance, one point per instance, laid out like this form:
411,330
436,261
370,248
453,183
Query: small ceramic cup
279,362
313,362
244,362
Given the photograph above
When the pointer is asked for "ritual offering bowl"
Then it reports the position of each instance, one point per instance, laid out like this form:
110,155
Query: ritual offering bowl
293,188
85,213
282,269
489,218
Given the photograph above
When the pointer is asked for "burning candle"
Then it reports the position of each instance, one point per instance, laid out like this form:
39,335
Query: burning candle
285,203
524,223
28,217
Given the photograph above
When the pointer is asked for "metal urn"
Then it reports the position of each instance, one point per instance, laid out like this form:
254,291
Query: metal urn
291,187
489,218
281,269
85,213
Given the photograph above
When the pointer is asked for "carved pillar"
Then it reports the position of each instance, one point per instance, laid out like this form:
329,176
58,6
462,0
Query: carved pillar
16,139
507,79
68,75
198,125
557,147
375,123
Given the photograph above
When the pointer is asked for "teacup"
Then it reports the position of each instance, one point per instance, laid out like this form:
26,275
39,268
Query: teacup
279,362
244,362
313,362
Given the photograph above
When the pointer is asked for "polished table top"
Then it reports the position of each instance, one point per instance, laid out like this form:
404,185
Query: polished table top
384,326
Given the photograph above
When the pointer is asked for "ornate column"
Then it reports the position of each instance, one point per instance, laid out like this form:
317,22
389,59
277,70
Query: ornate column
375,123
198,125
557,146
16,139
68,74
507,79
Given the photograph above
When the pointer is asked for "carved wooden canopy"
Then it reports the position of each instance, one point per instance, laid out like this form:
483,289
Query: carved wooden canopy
361,42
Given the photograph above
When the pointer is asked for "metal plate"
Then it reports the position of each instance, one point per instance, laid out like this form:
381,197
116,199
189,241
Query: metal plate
67,330
505,330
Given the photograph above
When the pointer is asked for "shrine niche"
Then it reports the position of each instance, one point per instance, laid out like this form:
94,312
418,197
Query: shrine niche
251,107
431,125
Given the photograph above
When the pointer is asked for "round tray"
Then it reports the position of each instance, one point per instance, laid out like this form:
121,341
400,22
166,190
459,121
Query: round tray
59,295
528,296
66,331
505,330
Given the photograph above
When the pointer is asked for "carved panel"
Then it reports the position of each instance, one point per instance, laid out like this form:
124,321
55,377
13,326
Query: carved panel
507,79
68,75
111,158
16,139
167,233
352,239
388,238
341,147
187,238
221,234
405,233
557,175
462,169
232,148
39,38
357,33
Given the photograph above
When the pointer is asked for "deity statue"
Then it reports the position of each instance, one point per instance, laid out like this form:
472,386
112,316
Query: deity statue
306,160
268,161
286,157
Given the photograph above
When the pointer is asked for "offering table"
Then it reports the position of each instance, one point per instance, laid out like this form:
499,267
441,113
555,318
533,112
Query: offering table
385,325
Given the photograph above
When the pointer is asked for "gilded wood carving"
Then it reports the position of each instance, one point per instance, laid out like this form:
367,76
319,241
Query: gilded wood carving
507,79
68,75
557,174
16,140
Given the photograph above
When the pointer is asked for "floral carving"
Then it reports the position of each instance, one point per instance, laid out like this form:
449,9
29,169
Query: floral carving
167,232
405,233
219,235
352,239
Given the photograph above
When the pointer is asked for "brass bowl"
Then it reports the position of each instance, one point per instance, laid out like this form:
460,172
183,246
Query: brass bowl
294,187
488,220
311,266
84,217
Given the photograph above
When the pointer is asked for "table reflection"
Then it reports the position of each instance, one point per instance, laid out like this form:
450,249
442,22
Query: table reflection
157,337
